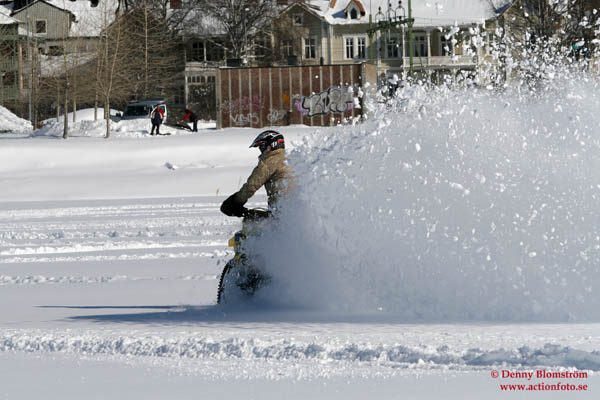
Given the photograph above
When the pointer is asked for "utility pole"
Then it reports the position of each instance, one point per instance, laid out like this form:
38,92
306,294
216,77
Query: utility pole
411,43
30,57
2,88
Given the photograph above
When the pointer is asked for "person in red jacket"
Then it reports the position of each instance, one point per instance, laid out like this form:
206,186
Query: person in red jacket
192,117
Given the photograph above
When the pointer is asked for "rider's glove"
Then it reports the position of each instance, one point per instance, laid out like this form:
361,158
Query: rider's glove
233,208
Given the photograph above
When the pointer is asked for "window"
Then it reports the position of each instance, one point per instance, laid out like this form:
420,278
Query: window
7,50
55,51
261,47
215,51
176,4
446,45
287,47
298,19
420,46
10,78
361,46
310,48
394,47
355,47
40,26
349,47
196,52
200,79
353,11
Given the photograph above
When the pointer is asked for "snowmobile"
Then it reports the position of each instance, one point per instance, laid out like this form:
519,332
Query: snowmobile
240,277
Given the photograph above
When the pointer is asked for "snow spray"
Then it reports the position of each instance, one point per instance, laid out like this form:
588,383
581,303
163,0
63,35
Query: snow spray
459,202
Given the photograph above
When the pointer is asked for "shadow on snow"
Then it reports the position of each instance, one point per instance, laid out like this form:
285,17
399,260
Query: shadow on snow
217,314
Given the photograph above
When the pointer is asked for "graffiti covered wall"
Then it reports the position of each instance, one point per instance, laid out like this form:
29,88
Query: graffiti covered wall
278,96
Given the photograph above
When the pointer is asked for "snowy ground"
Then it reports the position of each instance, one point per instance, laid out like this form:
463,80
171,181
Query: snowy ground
109,256
118,295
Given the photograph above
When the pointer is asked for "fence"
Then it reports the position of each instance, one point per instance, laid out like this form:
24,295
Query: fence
315,95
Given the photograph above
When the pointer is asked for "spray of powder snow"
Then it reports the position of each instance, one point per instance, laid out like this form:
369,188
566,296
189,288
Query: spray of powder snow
457,204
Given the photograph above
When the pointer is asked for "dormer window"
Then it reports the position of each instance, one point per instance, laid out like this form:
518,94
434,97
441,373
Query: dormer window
355,10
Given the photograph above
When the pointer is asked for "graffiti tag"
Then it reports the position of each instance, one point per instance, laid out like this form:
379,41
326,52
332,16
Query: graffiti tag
276,116
244,105
336,99
244,119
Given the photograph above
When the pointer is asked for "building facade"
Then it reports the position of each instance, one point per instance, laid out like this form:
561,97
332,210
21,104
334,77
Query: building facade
15,65
341,31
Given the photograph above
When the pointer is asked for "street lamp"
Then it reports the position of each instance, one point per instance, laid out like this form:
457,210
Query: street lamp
392,15
245,60
393,18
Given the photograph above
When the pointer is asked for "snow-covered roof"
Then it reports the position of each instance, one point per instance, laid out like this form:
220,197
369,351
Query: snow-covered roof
198,23
89,21
427,13
5,18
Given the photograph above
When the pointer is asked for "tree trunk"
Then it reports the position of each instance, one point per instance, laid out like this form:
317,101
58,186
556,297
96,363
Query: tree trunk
66,113
107,115
145,50
57,103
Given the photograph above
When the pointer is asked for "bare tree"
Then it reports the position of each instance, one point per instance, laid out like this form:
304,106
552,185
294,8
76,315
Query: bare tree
570,23
111,59
243,22
155,56
174,13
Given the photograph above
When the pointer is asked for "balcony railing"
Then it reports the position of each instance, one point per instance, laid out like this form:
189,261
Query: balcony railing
10,64
8,93
440,61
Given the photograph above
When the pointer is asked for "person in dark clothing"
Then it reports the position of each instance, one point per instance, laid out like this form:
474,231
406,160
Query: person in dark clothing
156,117
192,117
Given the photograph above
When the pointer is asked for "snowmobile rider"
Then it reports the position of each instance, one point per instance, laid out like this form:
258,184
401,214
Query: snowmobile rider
271,171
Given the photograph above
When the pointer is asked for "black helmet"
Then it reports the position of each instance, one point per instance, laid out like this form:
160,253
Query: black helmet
269,140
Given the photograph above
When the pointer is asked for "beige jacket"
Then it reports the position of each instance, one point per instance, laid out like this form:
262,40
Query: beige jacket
271,172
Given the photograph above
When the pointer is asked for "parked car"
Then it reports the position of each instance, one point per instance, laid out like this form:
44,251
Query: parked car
143,109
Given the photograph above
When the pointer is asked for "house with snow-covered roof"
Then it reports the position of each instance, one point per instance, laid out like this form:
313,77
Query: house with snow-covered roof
337,32
65,25
14,65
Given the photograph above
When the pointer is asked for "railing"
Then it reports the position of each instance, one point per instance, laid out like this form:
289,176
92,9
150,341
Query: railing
439,61
8,93
9,65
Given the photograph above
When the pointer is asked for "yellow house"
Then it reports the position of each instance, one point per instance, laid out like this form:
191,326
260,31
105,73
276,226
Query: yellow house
449,35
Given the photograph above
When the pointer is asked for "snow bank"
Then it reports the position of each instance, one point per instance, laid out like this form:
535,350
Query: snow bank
11,123
86,126
351,354
455,204
86,114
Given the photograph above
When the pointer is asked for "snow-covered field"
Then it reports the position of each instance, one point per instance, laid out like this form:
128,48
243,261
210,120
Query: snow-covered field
425,250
